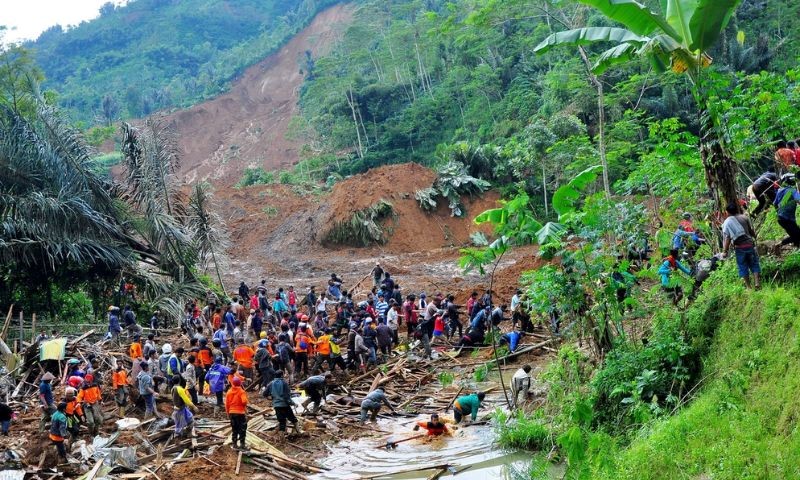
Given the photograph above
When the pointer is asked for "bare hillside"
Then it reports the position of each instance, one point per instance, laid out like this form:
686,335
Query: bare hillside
247,126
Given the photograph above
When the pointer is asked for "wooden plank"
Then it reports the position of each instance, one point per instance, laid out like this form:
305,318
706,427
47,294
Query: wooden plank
8,321
238,463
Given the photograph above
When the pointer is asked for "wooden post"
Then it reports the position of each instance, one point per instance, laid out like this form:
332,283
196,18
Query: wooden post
21,333
33,328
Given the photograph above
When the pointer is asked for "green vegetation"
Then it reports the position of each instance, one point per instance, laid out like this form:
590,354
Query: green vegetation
151,55
103,163
363,228
256,176
445,74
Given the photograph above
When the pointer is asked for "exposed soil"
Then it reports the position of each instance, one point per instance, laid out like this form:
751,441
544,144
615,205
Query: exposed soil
247,126
276,233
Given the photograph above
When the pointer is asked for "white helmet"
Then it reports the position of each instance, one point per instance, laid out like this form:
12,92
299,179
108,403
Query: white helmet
167,348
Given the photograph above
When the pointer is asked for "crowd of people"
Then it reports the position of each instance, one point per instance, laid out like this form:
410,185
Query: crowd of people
276,343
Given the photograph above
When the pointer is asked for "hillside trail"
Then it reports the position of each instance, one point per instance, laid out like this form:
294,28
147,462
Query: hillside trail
247,126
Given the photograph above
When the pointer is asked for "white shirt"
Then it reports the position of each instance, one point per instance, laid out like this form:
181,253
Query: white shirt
514,302
391,319
519,374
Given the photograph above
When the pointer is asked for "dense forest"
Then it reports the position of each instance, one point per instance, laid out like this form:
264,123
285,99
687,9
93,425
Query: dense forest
435,80
151,55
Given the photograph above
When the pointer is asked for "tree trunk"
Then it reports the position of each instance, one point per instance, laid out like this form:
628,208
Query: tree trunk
601,126
720,168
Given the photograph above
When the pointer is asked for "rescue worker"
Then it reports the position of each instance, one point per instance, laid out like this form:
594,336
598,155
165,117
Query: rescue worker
58,431
243,356
236,408
468,405
216,381
182,406
282,402
91,399
46,399
119,381
315,389
372,404
73,412
434,427
521,383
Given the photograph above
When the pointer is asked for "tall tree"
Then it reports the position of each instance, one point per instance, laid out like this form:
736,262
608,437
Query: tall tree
678,39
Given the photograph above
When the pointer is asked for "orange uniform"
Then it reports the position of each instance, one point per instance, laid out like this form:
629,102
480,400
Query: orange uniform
324,345
302,339
236,401
235,374
136,350
90,395
74,408
119,379
216,320
243,355
434,429
204,357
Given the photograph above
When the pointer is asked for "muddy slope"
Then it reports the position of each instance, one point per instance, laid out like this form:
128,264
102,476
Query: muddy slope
247,126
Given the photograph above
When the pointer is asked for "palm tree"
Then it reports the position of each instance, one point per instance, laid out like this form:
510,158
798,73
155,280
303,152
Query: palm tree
677,39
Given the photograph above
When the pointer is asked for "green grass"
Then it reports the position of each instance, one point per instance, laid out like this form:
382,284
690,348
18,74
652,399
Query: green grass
521,431
105,162
744,422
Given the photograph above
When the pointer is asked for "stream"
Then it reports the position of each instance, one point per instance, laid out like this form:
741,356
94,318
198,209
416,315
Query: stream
471,452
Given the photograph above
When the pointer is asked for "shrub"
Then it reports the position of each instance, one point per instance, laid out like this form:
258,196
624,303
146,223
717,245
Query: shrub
363,228
522,431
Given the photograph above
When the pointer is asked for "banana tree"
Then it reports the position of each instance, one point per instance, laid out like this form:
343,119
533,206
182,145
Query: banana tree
678,39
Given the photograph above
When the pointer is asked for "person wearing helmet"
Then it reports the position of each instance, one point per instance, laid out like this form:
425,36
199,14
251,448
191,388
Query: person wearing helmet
73,412
216,380
114,328
236,408
90,397
119,381
372,405
468,405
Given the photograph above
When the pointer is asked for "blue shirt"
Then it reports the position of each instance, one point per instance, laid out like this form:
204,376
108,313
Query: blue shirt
230,321
786,201
46,391
216,377
220,335
113,323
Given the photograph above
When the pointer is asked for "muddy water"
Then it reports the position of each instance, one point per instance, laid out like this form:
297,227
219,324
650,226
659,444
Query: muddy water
471,452
471,447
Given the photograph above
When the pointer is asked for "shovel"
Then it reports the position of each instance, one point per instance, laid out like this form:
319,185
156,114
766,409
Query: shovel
392,445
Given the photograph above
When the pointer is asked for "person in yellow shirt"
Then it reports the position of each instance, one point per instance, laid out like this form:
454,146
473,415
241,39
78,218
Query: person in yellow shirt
119,380
182,406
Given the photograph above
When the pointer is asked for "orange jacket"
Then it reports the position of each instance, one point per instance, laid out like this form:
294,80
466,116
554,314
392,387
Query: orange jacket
304,338
119,379
236,401
90,395
74,408
243,355
324,345
136,350
204,357
216,320
235,374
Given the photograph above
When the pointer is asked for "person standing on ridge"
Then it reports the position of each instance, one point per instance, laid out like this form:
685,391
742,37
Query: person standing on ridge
737,231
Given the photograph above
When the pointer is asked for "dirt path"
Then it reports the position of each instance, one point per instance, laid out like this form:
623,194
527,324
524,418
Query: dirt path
247,126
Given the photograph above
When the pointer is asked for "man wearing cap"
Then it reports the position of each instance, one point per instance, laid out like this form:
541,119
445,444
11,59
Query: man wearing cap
236,408
46,398
90,399
372,404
